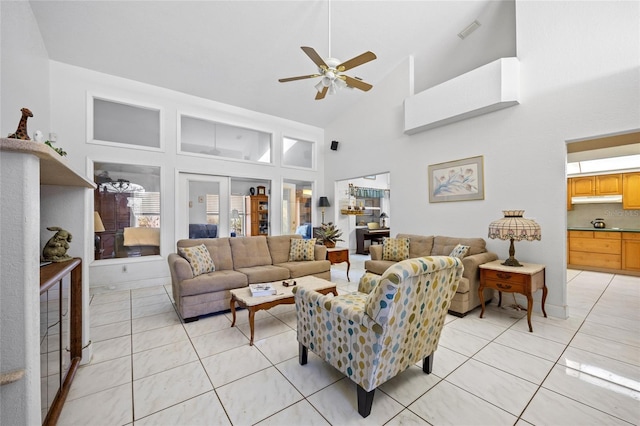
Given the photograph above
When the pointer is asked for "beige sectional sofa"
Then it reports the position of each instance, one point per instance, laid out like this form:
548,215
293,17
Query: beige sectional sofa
466,297
238,262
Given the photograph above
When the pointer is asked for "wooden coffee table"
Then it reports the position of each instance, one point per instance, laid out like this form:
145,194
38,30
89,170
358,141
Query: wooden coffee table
284,296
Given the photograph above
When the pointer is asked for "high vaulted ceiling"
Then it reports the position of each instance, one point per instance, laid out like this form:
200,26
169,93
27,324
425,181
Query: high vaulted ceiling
234,52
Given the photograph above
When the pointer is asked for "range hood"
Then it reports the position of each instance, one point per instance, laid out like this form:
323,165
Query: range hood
597,199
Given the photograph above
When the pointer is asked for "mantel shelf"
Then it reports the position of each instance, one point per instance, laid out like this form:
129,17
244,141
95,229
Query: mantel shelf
54,169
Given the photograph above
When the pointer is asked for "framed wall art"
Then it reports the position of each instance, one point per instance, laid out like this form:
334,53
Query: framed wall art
460,180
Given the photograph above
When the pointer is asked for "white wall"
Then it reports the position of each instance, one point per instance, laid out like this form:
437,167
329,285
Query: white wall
579,77
69,88
24,60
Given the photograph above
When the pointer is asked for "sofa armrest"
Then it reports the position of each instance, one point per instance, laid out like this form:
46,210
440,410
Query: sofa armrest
180,268
375,250
472,264
367,282
320,252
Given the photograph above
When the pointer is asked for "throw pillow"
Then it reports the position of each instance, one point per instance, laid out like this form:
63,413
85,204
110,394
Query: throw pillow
395,249
199,259
302,249
459,251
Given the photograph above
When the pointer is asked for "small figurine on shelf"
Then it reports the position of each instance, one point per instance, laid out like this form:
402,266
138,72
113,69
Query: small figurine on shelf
21,132
56,248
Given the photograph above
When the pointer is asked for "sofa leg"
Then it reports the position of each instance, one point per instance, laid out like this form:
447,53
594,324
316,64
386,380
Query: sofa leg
427,364
192,319
302,354
365,401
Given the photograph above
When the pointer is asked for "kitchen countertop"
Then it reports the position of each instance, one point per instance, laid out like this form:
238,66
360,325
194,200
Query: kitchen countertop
591,228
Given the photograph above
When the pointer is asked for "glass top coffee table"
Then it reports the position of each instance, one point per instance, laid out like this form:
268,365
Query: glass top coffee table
283,296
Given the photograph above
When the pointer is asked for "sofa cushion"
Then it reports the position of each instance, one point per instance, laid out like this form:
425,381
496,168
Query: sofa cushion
419,245
199,259
378,266
250,251
279,247
219,250
141,237
442,246
302,250
213,282
301,269
396,249
265,273
459,251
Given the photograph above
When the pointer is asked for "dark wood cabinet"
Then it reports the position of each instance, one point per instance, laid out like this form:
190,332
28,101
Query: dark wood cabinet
115,214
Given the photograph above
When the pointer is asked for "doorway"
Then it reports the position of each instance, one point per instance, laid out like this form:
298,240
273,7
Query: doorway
202,200
297,199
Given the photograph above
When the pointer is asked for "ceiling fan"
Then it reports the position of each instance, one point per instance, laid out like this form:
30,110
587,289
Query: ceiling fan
331,70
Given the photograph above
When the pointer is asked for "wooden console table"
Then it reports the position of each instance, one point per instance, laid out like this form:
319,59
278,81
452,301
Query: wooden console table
526,279
50,275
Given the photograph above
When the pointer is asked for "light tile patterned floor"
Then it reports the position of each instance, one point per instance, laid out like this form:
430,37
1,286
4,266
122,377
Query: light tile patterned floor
149,368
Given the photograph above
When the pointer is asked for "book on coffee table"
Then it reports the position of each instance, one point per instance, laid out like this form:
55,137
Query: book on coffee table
262,290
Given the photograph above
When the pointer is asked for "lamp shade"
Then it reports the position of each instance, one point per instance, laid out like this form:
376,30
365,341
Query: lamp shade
513,226
98,226
323,202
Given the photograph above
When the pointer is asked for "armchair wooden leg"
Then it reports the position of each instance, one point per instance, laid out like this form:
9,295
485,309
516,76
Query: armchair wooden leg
365,401
427,364
302,354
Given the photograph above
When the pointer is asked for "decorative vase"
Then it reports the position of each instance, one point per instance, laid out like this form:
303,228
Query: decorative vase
330,244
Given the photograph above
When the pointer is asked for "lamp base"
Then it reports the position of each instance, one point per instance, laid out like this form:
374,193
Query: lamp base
511,261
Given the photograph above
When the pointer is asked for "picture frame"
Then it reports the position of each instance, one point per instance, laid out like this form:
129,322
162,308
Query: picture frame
459,180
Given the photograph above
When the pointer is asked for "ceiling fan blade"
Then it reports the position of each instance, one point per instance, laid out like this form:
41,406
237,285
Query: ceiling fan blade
358,84
301,77
311,53
358,60
322,94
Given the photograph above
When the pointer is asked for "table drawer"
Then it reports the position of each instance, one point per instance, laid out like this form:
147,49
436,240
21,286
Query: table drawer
507,277
338,256
512,287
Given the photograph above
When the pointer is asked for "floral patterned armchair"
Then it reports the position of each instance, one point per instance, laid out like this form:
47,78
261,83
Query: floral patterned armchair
390,323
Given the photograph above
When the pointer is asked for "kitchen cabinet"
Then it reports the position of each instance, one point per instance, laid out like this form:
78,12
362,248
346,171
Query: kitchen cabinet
631,251
569,204
259,215
583,186
631,191
609,184
596,249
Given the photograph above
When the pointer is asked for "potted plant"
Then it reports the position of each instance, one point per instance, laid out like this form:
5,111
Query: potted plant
328,234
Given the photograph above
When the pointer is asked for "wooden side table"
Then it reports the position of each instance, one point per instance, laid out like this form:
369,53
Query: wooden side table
526,280
339,255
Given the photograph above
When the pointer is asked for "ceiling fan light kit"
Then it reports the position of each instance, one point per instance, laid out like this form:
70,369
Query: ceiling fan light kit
330,70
